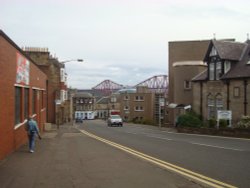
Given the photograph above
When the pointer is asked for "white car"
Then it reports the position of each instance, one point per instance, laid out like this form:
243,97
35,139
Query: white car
115,120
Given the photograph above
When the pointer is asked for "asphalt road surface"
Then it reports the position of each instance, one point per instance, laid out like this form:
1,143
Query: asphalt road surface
67,158
224,159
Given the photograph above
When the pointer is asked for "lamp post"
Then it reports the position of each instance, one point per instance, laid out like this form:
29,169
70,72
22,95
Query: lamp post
66,61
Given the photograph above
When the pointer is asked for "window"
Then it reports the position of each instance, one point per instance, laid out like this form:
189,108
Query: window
139,98
227,66
210,106
126,108
187,84
113,99
18,107
218,70
236,91
139,108
62,95
26,102
213,52
219,102
62,75
211,71
126,97
34,101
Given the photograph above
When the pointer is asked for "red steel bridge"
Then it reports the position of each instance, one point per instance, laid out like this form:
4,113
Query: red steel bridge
157,84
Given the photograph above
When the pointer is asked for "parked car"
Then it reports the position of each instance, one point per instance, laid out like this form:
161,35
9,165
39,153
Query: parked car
115,120
79,120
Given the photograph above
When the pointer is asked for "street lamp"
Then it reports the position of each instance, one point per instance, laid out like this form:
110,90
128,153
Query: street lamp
78,60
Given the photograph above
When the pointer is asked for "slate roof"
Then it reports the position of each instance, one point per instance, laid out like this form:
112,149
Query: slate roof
233,51
200,77
241,69
103,100
83,94
229,50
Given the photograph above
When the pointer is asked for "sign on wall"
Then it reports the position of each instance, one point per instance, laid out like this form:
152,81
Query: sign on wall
22,70
224,114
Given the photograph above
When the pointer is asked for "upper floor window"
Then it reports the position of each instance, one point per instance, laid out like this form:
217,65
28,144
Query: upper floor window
218,70
113,99
139,98
126,108
126,97
213,52
139,108
187,84
227,66
215,68
211,71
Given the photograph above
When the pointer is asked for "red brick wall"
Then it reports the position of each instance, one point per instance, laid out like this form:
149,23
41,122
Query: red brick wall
11,135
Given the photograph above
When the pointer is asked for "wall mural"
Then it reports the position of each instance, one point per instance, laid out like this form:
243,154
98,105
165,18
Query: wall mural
22,70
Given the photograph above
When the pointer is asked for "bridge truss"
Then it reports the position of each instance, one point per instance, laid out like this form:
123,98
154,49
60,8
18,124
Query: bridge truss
107,87
158,84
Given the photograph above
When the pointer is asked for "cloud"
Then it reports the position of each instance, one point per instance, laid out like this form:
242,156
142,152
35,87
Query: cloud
125,41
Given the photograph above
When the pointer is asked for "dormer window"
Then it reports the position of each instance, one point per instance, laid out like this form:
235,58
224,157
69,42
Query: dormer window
213,52
215,68
218,70
227,66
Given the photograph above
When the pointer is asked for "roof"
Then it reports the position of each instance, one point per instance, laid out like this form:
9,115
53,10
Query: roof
200,77
103,100
229,50
233,51
83,94
241,68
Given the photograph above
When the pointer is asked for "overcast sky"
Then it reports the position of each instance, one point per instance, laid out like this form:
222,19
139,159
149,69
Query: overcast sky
125,41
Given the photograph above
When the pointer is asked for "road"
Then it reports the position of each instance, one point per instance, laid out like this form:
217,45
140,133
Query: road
67,158
224,159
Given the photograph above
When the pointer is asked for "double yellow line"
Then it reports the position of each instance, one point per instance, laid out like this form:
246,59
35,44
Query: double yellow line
187,173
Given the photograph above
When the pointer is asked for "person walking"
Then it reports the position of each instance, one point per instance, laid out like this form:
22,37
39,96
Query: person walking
32,130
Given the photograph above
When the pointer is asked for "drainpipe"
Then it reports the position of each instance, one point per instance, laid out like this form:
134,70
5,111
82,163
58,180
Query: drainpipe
201,99
245,97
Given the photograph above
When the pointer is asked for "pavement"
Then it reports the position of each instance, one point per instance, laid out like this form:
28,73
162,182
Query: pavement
67,158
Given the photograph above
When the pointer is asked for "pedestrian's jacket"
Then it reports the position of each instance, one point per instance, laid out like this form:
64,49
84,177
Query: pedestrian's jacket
32,127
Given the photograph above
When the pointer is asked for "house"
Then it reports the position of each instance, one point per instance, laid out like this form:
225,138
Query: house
224,85
23,94
141,105
83,105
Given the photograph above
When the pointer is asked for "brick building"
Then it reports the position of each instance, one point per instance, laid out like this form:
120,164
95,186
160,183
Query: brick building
108,105
140,106
83,105
58,105
23,93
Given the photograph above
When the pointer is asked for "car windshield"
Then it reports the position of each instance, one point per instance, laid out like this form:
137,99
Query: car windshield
115,117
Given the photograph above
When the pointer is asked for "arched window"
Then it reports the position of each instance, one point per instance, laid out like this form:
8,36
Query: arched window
219,102
210,106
